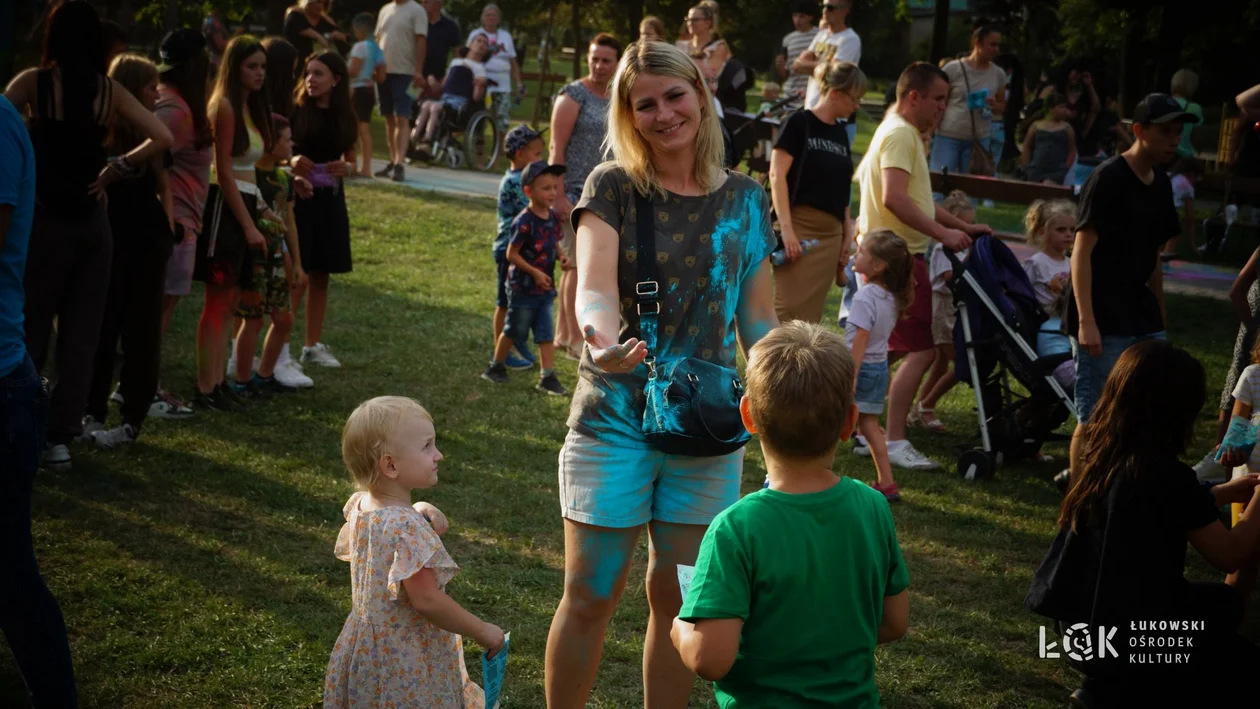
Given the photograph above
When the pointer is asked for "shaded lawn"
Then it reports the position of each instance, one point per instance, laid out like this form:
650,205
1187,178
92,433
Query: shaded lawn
196,569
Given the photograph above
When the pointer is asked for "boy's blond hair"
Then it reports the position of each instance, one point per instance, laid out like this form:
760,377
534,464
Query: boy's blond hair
799,384
366,435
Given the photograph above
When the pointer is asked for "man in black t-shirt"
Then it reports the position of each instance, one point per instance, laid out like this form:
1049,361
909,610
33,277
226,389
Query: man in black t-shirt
444,38
1126,214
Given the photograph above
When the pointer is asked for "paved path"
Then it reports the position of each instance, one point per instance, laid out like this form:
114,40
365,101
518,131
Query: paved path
1183,277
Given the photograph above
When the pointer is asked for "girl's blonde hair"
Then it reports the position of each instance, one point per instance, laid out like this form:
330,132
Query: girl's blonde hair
957,202
710,10
629,148
1041,213
367,434
134,72
842,76
898,265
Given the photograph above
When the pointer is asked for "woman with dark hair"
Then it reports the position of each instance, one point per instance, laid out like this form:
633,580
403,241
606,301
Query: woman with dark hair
74,105
181,107
1124,526
283,66
977,87
241,121
141,219
324,130
309,28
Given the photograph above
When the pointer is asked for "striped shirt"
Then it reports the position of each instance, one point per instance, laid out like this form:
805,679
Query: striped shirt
794,43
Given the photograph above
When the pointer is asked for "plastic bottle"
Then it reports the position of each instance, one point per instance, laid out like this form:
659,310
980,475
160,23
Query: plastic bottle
779,257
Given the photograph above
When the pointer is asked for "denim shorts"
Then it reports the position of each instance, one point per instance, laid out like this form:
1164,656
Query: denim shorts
530,312
616,486
872,387
1091,371
393,95
501,287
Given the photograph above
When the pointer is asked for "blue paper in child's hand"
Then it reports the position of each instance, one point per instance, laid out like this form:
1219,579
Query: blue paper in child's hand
1241,437
493,670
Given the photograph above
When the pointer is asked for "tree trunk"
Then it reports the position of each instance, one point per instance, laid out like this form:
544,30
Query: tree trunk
171,20
1132,56
635,16
577,39
1174,21
940,30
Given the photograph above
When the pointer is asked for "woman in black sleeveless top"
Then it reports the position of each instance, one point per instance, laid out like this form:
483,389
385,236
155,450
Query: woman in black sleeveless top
73,105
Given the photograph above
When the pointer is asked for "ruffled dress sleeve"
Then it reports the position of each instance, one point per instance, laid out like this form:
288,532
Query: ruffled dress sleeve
417,547
345,538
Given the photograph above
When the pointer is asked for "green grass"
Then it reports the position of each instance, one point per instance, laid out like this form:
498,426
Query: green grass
195,569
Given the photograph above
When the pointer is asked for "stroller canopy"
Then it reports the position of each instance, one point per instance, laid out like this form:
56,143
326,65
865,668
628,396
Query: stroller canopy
999,274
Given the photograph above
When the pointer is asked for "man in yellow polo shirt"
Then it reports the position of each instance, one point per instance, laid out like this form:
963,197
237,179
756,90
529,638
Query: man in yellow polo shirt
896,194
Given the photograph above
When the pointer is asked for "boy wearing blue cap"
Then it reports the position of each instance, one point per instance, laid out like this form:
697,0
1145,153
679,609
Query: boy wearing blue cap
532,252
523,145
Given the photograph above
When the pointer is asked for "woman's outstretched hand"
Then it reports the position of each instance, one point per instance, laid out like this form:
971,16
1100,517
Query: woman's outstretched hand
611,356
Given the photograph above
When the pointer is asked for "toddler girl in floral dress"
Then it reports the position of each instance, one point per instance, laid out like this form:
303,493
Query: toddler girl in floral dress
401,645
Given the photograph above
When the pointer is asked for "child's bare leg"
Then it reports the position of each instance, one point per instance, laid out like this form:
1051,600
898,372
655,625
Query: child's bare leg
277,335
947,380
500,319
547,352
940,366
365,148
869,425
246,343
502,348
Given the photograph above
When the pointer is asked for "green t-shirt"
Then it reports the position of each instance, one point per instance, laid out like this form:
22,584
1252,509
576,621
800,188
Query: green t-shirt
808,575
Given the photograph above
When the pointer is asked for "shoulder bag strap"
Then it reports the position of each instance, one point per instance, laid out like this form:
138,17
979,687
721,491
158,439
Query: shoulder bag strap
647,289
800,174
962,65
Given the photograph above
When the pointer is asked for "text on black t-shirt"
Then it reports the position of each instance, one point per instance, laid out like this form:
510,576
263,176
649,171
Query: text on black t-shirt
821,164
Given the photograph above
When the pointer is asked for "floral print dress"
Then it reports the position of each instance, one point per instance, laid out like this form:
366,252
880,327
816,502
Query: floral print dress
388,655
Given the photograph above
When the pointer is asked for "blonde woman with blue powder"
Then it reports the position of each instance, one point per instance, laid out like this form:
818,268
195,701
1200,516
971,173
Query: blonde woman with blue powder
711,242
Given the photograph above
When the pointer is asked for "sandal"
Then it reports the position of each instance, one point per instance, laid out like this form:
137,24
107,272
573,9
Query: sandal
916,419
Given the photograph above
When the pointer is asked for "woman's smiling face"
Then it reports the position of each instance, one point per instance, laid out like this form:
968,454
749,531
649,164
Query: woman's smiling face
667,111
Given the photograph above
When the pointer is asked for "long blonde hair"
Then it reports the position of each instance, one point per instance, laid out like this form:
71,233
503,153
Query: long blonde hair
886,246
1041,213
629,148
134,72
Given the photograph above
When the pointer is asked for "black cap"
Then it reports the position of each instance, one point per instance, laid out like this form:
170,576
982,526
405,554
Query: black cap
539,167
1161,108
180,46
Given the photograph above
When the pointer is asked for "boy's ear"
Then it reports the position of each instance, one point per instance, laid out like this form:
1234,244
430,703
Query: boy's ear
527,189
745,413
850,422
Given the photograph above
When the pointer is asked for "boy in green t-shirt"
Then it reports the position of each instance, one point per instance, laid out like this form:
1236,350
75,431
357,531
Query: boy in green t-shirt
796,584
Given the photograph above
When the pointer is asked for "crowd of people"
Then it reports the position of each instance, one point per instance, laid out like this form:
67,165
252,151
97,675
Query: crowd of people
225,163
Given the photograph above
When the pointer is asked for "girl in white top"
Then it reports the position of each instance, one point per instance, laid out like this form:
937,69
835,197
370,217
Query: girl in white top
887,267
1052,226
944,314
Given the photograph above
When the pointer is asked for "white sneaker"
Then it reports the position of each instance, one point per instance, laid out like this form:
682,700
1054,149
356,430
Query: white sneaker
290,373
903,455
860,447
1208,470
115,437
320,354
167,406
116,397
90,426
56,457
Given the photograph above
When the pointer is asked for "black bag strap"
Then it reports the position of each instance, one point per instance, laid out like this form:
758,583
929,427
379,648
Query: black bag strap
962,66
647,289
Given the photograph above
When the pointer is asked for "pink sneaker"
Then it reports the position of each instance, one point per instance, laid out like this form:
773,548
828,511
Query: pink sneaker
890,493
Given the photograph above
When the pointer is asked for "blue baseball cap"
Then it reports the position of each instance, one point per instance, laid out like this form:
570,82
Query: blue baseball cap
537,168
519,137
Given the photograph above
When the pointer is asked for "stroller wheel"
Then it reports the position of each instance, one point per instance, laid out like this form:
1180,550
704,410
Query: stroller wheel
975,465
454,159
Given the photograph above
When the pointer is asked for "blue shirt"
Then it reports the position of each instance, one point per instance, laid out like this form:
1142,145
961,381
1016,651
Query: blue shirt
539,241
17,189
372,55
512,200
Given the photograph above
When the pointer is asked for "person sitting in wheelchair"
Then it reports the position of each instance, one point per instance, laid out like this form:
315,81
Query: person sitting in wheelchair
465,84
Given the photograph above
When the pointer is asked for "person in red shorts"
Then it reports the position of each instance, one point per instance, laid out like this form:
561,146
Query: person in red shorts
896,194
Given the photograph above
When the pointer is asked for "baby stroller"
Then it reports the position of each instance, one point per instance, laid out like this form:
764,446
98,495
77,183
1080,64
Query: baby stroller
467,134
995,337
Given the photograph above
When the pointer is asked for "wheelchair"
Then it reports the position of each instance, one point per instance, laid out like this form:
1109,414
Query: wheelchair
466,136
